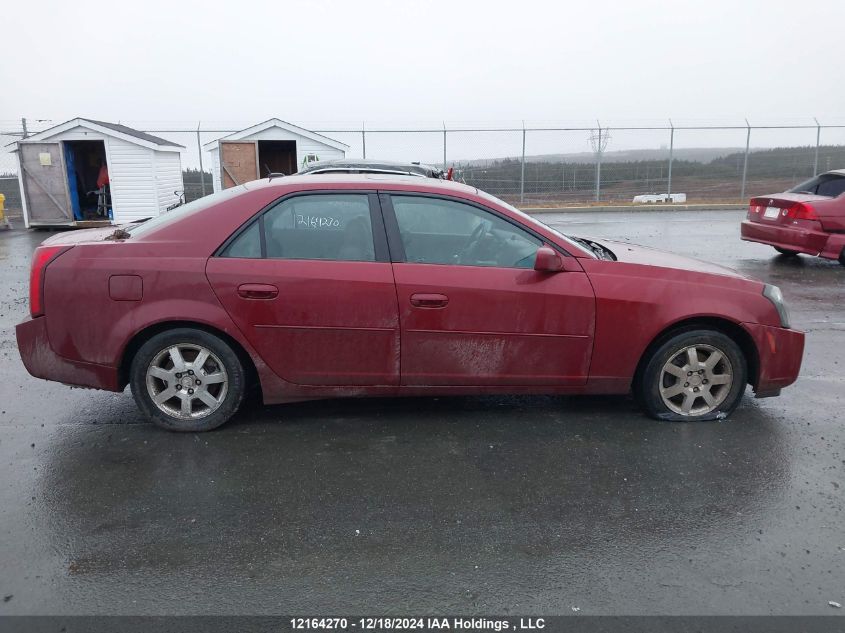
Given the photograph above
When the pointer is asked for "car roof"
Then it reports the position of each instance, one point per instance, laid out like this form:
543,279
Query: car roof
363,181
838,172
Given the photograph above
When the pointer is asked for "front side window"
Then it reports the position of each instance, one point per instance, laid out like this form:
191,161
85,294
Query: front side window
437,231
335,227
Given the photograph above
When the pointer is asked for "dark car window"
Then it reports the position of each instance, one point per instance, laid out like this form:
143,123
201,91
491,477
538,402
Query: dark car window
437,231
334,227
831,185
246,245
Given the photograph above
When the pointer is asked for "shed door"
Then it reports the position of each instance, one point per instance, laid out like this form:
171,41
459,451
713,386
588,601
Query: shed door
45,183
238,162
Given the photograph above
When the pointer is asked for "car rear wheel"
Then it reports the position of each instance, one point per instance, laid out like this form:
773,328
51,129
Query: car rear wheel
785,251
694,375
187,380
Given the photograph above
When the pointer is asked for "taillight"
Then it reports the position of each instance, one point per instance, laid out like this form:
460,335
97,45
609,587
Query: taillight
801,211
43,255
754,208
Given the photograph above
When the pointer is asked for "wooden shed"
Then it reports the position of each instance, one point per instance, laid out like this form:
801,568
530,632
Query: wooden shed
273,146
85,172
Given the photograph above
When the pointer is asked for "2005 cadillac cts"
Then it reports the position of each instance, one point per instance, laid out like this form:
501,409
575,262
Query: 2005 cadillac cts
311,287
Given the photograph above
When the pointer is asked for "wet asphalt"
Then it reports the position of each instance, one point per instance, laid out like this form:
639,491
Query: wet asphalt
526,505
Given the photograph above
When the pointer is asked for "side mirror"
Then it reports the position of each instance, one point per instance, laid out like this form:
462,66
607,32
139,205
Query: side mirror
547,260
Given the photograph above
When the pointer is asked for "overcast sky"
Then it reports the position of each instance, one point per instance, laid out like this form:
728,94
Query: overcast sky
315,63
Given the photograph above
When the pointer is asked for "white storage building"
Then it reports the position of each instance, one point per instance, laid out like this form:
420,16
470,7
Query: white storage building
273,146
60,169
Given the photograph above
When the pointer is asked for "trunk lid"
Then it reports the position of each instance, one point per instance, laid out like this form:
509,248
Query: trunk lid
784,208
80,236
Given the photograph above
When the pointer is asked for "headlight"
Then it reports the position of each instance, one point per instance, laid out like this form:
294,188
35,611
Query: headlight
773,294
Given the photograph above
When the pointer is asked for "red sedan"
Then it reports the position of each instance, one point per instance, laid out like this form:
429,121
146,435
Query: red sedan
331,286
809,218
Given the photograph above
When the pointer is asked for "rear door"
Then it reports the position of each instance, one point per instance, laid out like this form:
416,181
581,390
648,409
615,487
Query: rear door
45,184
238,162
473,310
310,285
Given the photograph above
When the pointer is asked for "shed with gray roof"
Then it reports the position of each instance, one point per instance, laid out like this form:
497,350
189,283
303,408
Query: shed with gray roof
62,171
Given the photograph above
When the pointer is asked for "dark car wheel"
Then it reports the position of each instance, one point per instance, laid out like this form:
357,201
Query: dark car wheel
187,380
694,375
785,251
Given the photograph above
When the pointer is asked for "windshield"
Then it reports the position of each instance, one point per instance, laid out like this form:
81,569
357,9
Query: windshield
183,211
537,223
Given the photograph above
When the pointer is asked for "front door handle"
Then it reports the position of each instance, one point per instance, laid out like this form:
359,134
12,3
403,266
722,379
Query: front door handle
258,291
424,300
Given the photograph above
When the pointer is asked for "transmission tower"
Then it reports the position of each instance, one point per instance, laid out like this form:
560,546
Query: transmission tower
598,140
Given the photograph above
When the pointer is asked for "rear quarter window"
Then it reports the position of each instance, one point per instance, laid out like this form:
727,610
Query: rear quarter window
247,244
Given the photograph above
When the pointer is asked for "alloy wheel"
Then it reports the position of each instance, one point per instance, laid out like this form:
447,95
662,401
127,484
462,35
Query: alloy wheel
187,381
696,380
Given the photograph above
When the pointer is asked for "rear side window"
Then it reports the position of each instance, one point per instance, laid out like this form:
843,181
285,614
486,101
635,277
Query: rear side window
334,227
831,185
246,245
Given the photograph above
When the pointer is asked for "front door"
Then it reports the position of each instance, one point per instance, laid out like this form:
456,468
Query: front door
473,310
238,162
310,285
45,184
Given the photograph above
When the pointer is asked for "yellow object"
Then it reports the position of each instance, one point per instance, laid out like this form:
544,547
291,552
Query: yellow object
3,219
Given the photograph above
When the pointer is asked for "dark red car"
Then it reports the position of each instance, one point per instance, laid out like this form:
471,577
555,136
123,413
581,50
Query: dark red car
809,218
327,286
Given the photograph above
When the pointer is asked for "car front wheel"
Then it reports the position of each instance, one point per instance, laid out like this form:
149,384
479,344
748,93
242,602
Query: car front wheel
694,375
786,251
187,380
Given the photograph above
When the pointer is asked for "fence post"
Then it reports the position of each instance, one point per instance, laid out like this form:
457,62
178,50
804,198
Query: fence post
816,157
671,153
444,145
23,125
598,165
199,149
745,162
522,174
364,138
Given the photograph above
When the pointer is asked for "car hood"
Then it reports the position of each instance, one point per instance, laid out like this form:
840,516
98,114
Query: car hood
645,256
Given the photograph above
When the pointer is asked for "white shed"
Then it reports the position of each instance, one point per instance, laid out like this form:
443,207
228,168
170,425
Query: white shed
274,146
62,173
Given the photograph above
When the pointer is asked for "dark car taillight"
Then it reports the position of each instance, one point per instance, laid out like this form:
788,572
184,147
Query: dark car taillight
43,255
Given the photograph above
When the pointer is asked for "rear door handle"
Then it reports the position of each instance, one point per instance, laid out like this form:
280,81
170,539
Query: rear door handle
258,291
424,300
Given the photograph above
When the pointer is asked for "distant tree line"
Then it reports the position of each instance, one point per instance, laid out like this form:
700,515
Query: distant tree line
502,177
193,181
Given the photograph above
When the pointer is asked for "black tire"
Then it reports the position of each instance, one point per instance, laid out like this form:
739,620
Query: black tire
786,251
648,386
230,400
842,257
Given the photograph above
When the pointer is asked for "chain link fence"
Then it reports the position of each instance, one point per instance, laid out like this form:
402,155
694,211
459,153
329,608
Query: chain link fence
546,166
